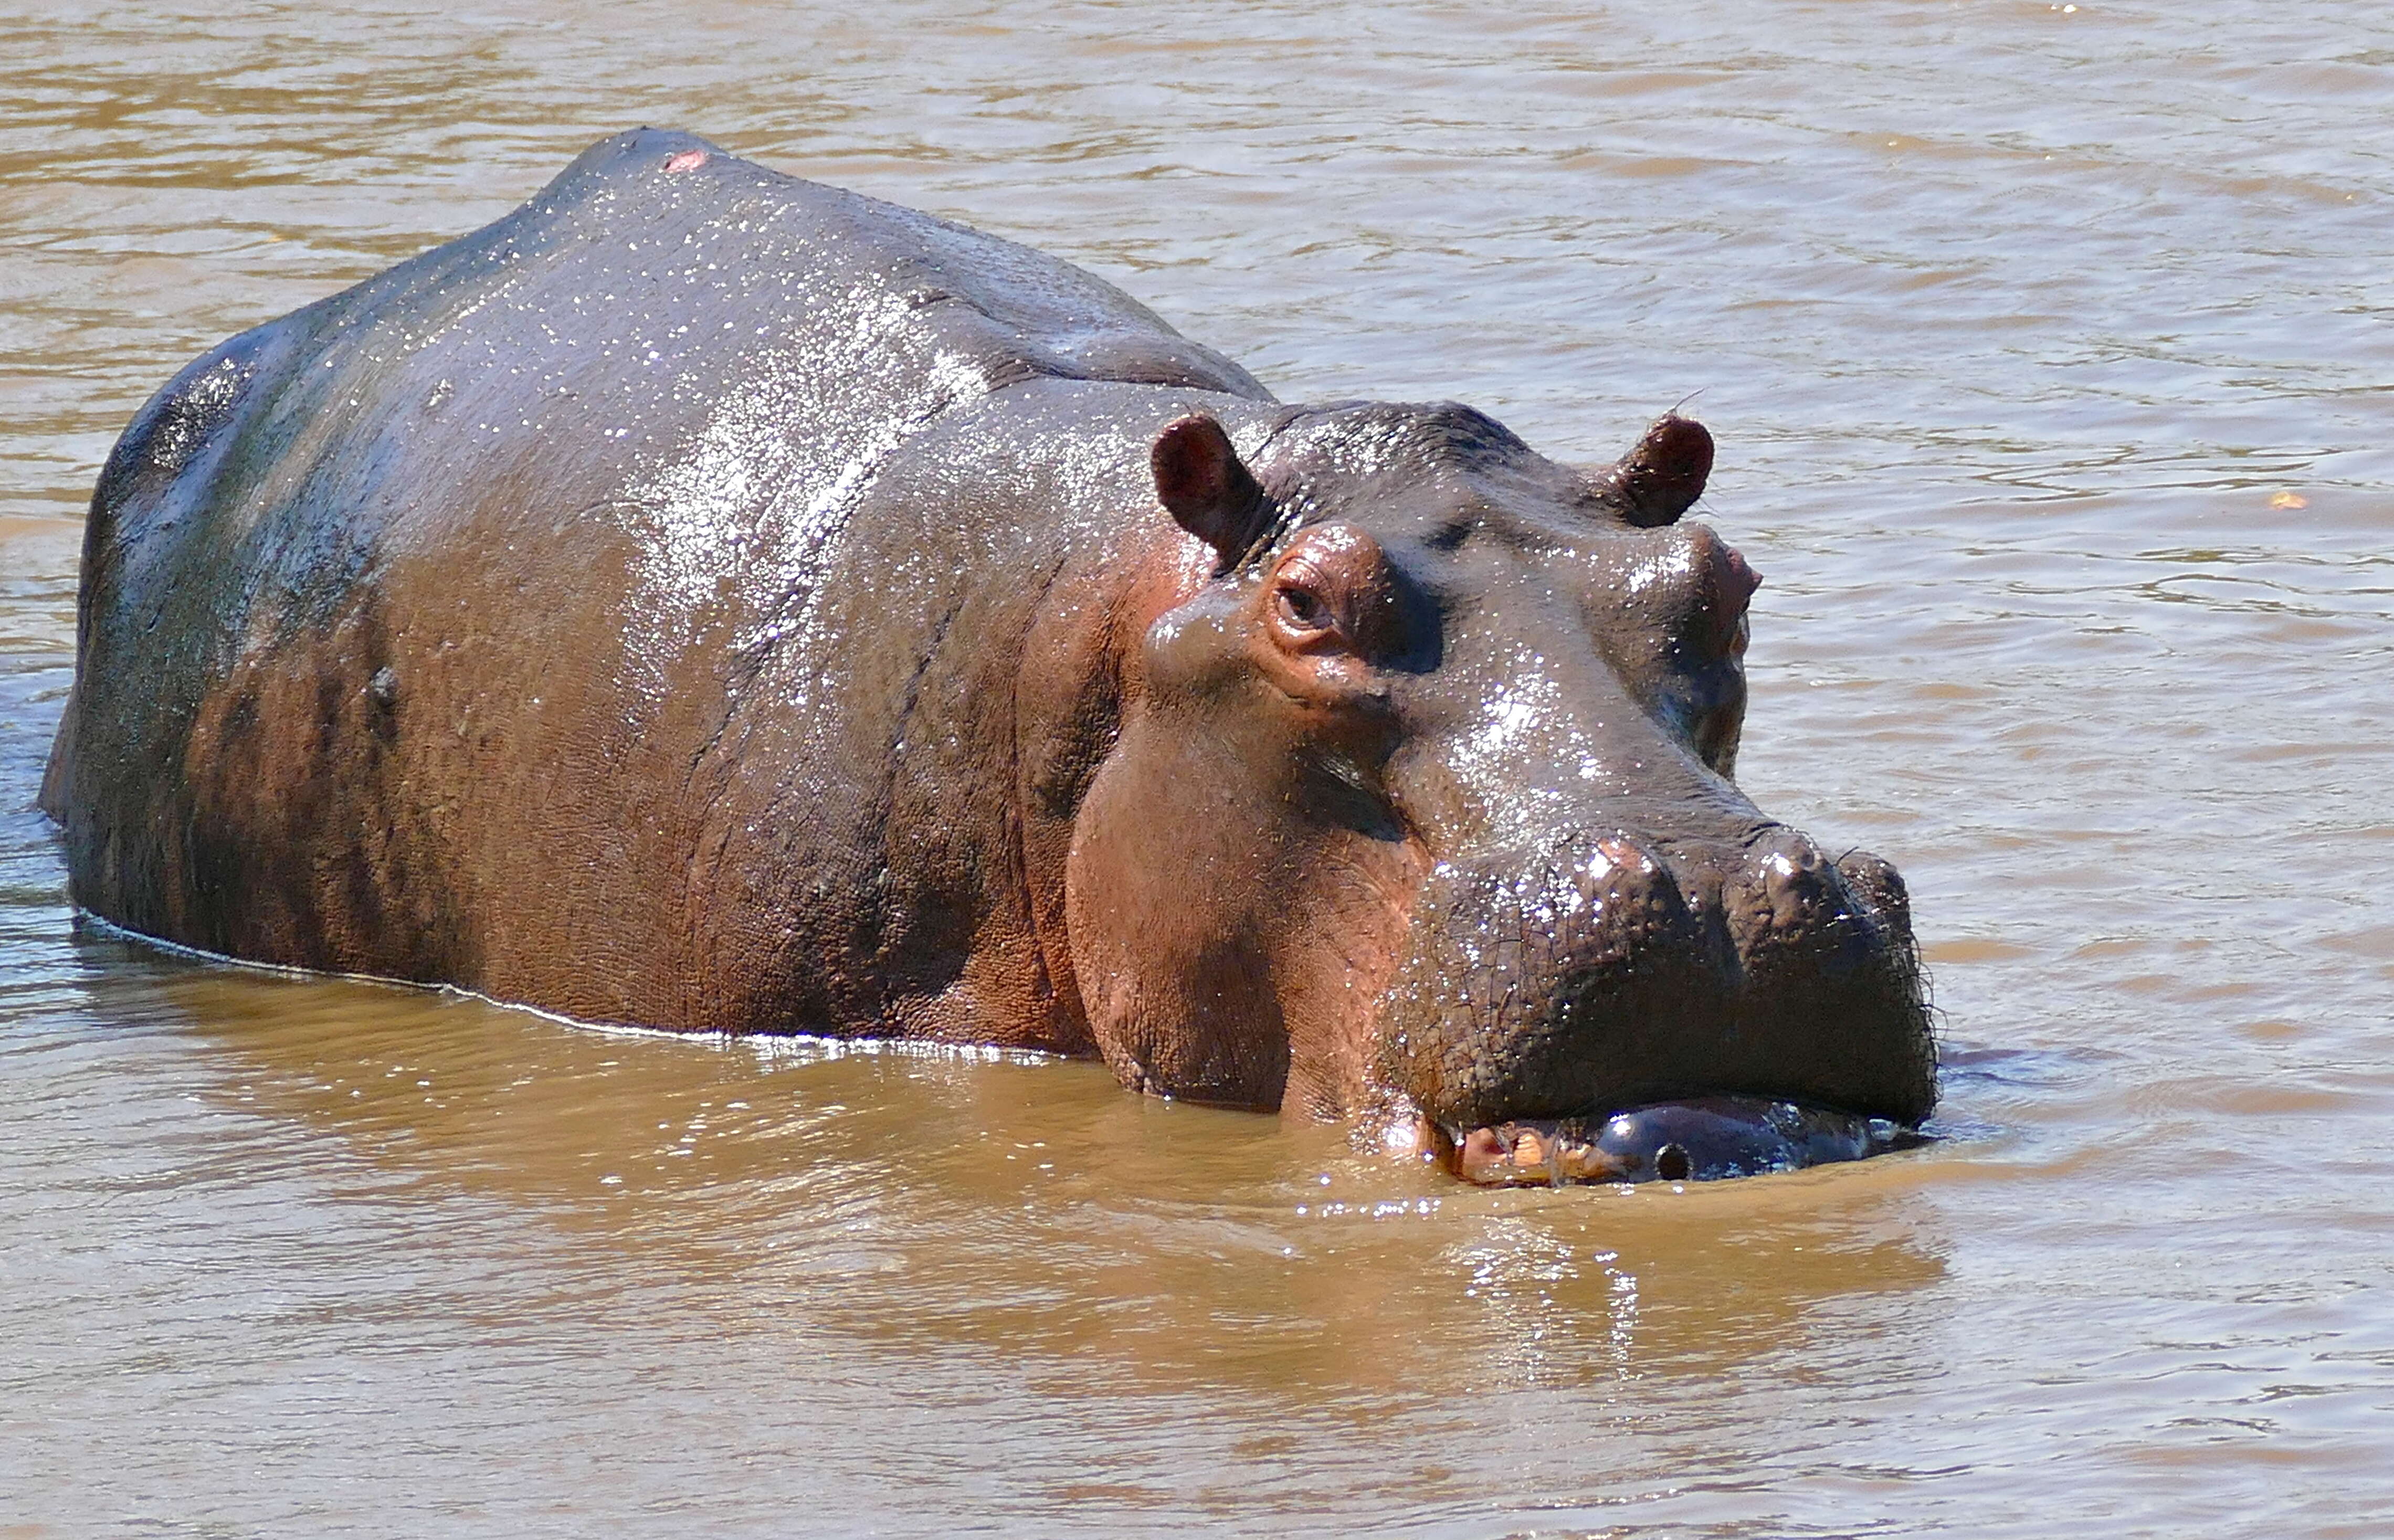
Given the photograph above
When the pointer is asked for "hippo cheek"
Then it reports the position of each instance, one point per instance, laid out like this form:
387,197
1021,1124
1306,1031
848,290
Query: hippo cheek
1172,970
1229,938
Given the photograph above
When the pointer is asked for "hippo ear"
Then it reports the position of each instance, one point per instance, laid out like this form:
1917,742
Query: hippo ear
1203,485
1655,483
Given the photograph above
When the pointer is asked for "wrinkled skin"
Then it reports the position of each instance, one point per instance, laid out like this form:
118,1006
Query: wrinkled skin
708,600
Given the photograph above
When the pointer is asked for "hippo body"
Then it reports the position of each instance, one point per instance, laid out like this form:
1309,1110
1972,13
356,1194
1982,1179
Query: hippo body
711,600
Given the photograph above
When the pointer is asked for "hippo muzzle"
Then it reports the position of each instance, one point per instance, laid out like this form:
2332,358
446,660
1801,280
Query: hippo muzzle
1622,1011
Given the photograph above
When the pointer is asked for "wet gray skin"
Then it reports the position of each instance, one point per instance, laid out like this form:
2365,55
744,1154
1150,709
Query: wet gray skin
710,601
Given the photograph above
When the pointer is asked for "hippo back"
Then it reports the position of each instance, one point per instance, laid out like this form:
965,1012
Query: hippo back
468,565
722,343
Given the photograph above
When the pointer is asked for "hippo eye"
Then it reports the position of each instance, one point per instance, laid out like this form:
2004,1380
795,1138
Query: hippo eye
1301,609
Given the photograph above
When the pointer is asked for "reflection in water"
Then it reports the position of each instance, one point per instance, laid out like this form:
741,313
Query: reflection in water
324,1195
2047,351
958,1199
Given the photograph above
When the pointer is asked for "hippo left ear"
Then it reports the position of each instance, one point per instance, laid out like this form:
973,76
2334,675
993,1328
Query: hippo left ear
1655,483
1207,491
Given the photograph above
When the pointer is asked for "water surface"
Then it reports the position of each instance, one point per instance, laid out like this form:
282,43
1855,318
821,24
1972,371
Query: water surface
2048,352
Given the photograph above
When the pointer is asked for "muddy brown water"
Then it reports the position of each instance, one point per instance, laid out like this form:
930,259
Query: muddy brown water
2048,350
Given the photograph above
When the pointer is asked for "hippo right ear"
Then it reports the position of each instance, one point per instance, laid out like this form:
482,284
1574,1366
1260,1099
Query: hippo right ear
1655,483
1201,483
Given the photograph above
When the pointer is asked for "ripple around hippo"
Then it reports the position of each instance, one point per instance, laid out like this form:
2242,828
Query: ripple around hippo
710,601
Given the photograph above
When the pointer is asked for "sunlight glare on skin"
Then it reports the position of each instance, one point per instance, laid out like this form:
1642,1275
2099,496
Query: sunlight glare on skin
1495,749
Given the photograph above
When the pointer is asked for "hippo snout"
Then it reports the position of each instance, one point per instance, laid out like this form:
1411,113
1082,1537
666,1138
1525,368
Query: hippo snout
1625,973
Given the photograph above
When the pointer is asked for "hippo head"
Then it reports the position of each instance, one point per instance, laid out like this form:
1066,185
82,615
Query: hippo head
1422,809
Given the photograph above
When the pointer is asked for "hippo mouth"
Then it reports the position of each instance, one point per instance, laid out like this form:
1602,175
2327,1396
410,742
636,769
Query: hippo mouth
1702,1140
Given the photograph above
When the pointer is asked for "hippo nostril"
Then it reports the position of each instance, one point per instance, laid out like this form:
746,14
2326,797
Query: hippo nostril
1625,874
1879,885
1779,882
1673,1163
1790,887
1619,852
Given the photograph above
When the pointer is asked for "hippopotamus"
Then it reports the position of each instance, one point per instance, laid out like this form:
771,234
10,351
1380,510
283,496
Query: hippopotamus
710,601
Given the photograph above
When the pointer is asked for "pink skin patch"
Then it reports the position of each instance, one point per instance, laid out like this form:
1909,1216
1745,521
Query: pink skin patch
687,160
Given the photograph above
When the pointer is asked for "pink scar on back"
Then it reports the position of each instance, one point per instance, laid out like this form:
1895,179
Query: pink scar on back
687,160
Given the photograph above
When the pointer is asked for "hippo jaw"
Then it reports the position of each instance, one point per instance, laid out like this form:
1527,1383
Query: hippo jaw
1703,1138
